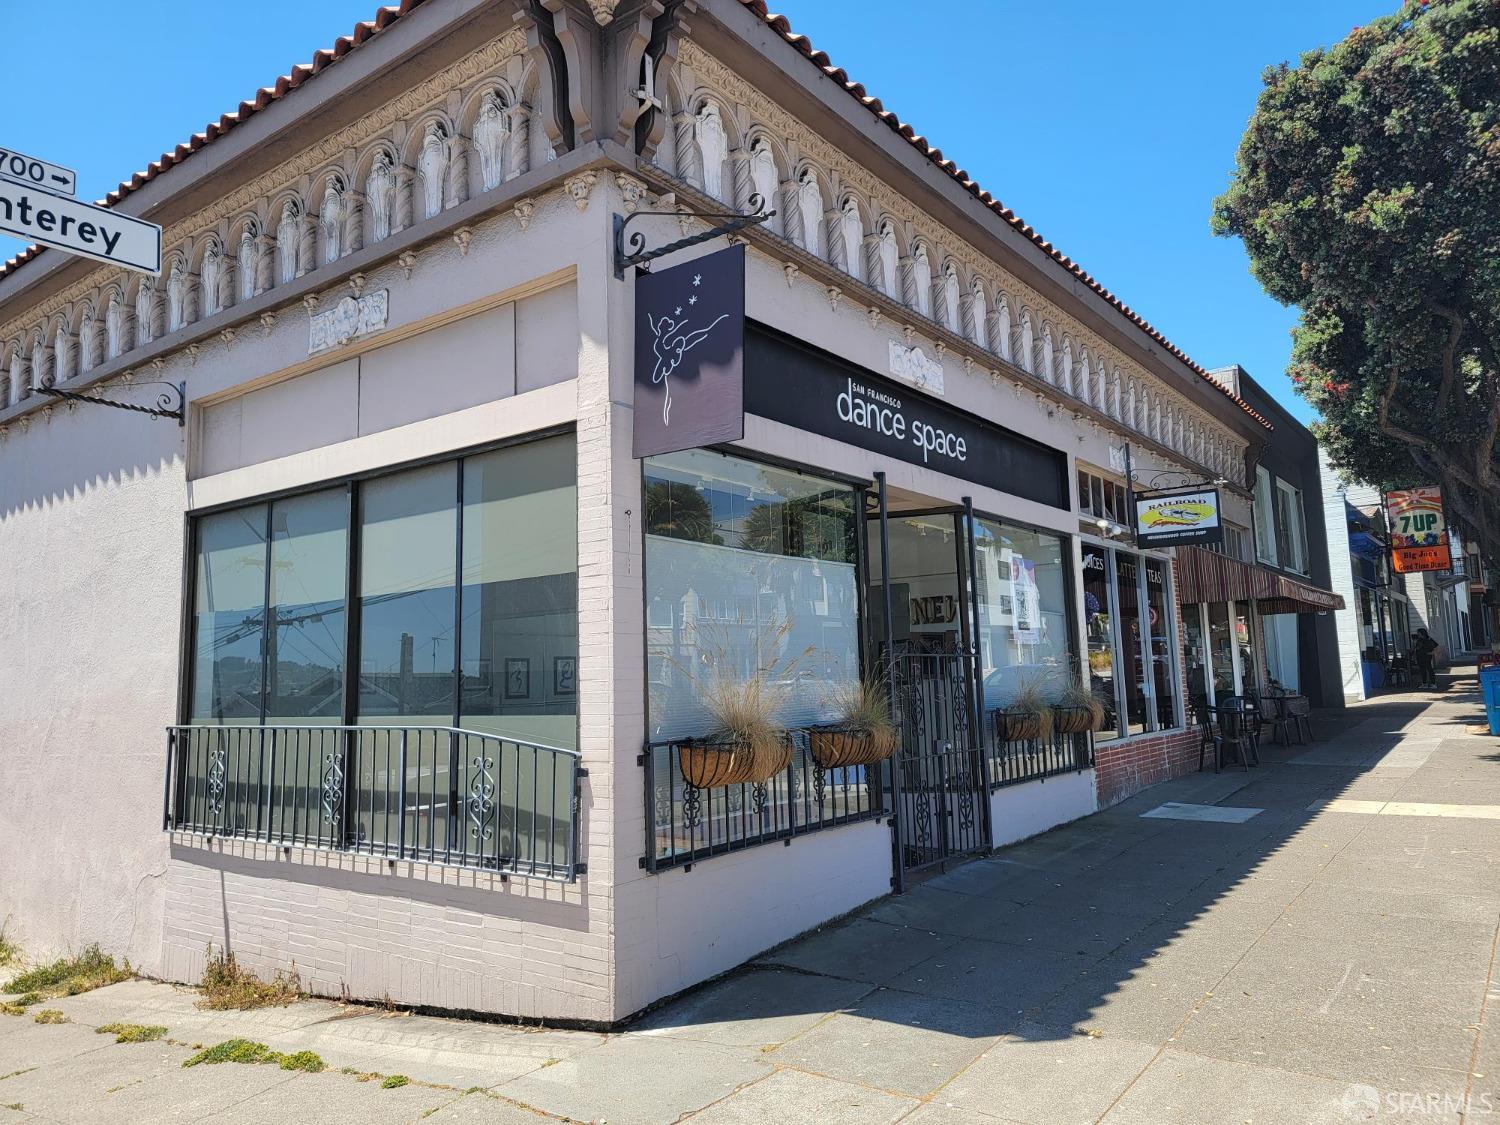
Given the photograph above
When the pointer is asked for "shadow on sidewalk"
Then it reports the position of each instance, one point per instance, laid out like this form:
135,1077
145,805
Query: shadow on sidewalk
1125,925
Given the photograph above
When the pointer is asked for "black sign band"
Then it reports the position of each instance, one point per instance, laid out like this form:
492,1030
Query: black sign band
792,382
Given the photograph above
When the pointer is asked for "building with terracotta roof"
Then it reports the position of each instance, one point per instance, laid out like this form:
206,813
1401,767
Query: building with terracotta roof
400,642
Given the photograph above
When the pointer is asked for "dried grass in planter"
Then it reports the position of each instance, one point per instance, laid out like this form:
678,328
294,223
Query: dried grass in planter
864,733
1078,710
711,762
1026,717
747,741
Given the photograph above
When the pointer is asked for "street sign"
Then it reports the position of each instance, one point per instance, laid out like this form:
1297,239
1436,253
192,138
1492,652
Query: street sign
79,228
29,170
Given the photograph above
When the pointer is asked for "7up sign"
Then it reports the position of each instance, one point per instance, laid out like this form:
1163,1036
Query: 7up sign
1419,534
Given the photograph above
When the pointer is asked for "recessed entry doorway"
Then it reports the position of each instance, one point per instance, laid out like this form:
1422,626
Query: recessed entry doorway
958,647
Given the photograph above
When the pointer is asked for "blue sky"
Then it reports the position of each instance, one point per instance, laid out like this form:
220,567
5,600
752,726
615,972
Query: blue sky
1109,127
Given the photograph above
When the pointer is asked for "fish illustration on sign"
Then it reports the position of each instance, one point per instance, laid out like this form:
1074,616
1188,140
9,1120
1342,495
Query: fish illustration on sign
671,339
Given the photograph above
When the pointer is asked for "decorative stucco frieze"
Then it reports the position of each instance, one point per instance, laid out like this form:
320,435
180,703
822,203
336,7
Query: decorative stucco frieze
299,216
837,210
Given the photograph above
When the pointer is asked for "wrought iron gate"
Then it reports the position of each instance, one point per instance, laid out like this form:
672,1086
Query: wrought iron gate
940,791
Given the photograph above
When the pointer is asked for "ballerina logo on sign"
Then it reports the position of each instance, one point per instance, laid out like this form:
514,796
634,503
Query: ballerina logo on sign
690,354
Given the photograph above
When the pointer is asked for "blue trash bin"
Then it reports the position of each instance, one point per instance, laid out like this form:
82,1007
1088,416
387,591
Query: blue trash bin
1489,684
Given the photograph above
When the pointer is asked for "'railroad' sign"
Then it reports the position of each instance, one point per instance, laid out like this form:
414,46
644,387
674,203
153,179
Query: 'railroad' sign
79,228
31,171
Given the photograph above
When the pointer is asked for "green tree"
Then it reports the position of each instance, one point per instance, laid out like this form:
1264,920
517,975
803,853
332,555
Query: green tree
1367,193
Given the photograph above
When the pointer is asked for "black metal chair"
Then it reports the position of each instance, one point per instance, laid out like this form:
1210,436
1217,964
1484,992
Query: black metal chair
1398,672
1271,708
1298,710
1234,725
1208,735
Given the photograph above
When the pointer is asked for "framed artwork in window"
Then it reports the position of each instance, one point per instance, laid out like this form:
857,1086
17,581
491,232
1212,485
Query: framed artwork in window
517,677
565,675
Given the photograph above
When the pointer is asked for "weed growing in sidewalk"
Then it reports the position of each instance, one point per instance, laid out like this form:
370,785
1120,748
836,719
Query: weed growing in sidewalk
18,1006
68,976
50,1015
132,1032
394,1082
248,1051
226,985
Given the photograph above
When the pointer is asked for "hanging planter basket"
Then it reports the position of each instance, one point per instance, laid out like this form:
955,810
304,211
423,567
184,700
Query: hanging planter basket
1017,726
1074,720
708,764
834,747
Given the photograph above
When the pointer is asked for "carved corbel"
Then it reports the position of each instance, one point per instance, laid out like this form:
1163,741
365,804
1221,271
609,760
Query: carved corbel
791,269
525,208
632,191
580,186
463,236
564,48
408,261
655,67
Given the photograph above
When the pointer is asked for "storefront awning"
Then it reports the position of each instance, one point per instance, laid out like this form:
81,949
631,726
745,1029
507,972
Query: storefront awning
1204,576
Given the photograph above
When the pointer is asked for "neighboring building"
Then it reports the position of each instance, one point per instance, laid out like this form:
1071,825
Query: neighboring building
1384,609
401,644
1258,609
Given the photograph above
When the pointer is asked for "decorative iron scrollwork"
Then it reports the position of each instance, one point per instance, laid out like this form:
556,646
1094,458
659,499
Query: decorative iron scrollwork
170,403
216,774
480,804
630,250
333,784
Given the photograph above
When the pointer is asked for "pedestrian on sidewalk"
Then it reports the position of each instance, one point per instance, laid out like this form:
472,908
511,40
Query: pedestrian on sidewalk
1422,648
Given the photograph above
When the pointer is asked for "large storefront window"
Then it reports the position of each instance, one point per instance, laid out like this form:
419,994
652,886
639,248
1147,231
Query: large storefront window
497,655
750,570
1132,657
1099,620
1024,625
1161,637
1132,665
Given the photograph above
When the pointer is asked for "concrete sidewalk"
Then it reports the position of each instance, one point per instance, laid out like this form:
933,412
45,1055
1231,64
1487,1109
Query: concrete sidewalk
1310,941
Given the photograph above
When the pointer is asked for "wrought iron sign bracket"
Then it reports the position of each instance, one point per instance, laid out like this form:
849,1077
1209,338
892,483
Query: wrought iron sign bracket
164,408
1186,480
637,255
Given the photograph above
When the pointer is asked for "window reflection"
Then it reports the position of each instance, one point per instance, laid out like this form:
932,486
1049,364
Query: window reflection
1159,615
408,539
520,596
747,566
229,612
309,567
1098,615
1024,626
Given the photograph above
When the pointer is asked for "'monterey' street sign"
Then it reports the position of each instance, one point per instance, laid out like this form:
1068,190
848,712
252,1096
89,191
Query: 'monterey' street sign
31,170
31,209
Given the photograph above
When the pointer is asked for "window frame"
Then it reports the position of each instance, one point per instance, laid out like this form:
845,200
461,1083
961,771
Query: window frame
1263,516
350,482
1293,521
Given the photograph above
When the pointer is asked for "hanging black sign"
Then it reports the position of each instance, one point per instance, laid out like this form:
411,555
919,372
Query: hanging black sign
690,354
794,383
1166,519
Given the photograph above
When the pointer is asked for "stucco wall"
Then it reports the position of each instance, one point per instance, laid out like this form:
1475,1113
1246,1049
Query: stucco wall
91,534
1019,811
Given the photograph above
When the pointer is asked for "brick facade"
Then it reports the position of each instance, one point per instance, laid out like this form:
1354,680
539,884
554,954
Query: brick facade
1122,769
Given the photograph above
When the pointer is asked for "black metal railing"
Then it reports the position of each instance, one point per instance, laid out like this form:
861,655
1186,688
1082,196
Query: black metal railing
685,823
431,794
1031,759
